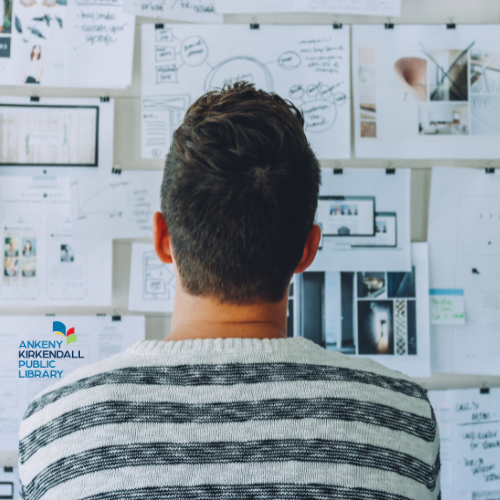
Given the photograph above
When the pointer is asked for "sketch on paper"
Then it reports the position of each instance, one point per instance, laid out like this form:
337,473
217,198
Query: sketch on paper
158,279
152,283
116,206
309,67
464,237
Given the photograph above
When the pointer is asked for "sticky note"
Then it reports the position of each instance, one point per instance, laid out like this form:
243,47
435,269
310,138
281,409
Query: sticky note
447,306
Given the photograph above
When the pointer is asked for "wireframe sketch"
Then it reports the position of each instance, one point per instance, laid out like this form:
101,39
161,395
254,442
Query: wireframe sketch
48,135
180,63
158,279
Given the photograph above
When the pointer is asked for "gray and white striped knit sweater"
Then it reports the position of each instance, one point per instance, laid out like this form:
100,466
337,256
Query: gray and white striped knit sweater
230,419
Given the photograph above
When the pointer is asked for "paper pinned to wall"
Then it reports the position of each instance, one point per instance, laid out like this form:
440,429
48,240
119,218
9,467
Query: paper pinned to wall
469,429
100,44
365,219
98,337
464,242
361,7
43,263
9,482
73,43
426,91
115,206
152,283
381,315
447,307
307,64
194,11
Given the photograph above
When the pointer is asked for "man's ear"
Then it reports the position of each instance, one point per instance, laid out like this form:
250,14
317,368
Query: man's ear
161,239
310,249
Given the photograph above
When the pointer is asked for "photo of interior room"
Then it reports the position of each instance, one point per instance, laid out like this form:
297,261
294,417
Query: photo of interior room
443,118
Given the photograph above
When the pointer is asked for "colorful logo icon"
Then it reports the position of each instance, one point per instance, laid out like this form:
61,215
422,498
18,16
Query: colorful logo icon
60,329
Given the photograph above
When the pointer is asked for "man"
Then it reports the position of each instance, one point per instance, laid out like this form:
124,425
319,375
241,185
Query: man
228,407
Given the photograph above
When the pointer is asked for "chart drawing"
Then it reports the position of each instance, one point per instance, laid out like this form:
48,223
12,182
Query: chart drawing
310,67
115,206
158,279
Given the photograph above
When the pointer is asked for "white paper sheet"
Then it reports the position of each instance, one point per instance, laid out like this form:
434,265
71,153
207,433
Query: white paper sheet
55,136
152,283
43,263
9,483
98,337
381,315
364,7
116,206
75,43
100,44
447,307
469,427
37,45
307,64
464,241
426,91
389,248
194,11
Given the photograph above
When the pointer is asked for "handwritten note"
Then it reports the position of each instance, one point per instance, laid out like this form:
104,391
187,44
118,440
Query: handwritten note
469,424
447,307
196,11
101,40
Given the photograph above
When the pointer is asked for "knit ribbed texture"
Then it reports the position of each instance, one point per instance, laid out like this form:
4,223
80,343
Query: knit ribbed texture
230,419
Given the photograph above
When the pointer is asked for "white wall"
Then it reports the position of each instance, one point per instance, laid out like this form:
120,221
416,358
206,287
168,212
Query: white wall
127,153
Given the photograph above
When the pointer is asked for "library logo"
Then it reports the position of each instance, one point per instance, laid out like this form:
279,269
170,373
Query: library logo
59,328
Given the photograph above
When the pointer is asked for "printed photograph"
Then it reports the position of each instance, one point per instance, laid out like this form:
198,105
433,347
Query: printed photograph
444,118
11,267
375,327
67,253
368,129
484,72
485,115
28,262
448,75
371,285
401,285
11,247
6,16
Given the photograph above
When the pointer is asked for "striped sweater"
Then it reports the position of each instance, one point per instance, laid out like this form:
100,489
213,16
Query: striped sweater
230,419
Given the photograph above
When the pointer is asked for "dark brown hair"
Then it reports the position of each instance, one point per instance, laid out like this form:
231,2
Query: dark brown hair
33,52
239,195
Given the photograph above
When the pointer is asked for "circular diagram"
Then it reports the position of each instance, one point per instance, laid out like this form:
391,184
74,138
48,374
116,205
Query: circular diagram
238,69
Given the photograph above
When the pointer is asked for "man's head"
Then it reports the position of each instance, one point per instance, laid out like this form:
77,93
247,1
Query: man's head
239,195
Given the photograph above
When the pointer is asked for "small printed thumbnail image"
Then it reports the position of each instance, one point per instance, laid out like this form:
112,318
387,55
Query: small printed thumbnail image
485,92
343,209
28,263
11,257
67,253
447,74
367,89
484,71
368,313
381,227
443,118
